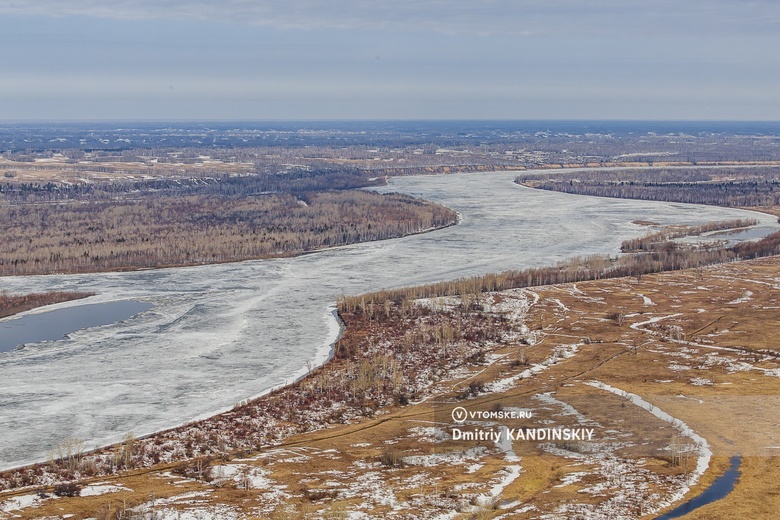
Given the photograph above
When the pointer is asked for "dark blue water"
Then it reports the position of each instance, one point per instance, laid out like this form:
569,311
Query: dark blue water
54,325
722,486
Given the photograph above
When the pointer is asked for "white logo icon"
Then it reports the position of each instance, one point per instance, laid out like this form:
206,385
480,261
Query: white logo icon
459,415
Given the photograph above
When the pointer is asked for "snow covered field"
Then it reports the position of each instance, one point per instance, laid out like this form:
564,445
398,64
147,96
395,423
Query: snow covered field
223,333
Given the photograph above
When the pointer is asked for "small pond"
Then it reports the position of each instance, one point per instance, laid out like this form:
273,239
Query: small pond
56,324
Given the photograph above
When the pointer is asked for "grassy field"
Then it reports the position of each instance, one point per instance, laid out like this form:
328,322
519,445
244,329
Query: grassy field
696,346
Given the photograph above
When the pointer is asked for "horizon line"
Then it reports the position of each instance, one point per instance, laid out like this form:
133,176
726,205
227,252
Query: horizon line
377,120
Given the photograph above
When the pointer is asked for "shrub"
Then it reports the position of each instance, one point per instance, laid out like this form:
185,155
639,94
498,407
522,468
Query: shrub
391,458
67,489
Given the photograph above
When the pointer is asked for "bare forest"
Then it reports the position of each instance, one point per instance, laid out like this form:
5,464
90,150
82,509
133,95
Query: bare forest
734,187
152,232
664,239
149,222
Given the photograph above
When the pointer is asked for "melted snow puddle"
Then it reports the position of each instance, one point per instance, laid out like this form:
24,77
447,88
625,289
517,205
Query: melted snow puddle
34,327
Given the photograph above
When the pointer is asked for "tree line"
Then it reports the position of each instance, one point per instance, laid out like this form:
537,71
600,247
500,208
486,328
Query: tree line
731,187
574,270
663,239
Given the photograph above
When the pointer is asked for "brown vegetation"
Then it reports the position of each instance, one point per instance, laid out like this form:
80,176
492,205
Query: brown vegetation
663,239
170,231
14,304
573,270
733,187
392,452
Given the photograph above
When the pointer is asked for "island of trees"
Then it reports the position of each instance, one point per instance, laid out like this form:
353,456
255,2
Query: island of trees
162,223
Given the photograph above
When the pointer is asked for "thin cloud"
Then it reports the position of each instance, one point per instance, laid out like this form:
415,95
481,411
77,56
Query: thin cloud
455,16
405,58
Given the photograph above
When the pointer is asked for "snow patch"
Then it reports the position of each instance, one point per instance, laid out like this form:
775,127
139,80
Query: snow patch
746,297
560,353
20,502
101,489
705,454
647,301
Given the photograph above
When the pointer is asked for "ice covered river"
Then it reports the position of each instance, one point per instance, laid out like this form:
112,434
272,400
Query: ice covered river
222,333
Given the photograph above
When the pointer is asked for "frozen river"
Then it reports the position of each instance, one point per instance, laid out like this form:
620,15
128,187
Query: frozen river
222,333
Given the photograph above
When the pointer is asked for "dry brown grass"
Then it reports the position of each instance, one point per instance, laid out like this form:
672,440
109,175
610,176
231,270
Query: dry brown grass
735,411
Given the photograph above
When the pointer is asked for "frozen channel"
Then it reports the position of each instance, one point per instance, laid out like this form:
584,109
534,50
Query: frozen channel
222,333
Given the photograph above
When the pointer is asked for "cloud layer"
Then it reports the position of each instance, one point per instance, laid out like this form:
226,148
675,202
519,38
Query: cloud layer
481,17
301,59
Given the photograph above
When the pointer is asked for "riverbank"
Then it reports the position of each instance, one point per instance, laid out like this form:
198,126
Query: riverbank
11,304
696,344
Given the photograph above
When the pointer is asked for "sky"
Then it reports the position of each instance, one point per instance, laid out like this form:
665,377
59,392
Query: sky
399,59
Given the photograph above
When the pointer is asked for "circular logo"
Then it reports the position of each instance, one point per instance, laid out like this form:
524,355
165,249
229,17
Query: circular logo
459,415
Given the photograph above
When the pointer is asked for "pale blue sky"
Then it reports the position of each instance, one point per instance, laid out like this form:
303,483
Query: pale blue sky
402,59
